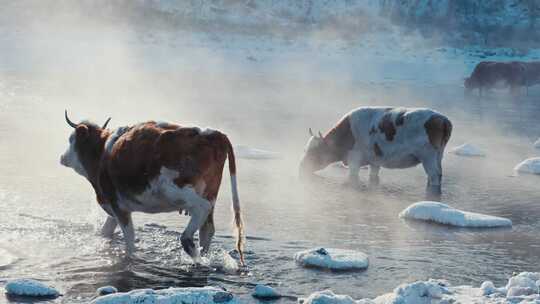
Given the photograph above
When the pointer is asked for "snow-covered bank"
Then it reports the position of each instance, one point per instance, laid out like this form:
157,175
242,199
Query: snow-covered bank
192,295
522,288
333,259
444,214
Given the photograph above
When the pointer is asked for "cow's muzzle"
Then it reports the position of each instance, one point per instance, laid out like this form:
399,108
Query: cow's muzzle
304,172
63,160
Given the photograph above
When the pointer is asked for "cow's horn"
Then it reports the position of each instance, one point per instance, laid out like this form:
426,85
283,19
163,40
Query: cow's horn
73,125
106,123
311,132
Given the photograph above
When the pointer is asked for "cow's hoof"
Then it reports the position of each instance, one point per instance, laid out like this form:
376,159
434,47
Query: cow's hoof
188,245
374,181
433,193
352,184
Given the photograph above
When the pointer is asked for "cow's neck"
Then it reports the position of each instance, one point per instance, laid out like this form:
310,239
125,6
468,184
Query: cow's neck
340,139
94,164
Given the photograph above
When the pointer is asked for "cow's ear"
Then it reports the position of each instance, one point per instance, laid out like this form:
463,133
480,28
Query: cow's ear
81,131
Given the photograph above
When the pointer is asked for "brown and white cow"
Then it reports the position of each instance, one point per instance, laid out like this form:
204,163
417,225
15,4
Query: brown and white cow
155,167
382,137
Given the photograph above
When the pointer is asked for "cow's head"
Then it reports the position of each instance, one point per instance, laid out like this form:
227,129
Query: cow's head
318,155
469,84
86,144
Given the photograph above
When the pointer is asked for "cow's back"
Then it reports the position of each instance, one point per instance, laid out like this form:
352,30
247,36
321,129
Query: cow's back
392,137
138,155
491,73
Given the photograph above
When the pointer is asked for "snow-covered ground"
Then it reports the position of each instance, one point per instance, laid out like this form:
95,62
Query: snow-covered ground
444,214
522,288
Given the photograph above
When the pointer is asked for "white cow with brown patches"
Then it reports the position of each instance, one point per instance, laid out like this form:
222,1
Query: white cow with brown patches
386,137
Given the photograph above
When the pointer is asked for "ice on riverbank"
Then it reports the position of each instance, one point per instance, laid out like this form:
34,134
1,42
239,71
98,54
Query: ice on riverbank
333,259
530,166
30,288
444,214
522,288
191,295
246,152
468,150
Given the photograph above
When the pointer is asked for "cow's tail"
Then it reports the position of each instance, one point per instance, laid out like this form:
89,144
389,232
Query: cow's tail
238,222
447,131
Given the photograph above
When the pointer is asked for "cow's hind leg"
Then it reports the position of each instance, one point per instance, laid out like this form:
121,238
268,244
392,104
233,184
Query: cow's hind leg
433,168
199,208
108,227
207,232
126,224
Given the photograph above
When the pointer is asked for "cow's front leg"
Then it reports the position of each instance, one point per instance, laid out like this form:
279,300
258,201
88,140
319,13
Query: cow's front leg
432,167
199,210
355,162
126,224
374,175
108,227
207,232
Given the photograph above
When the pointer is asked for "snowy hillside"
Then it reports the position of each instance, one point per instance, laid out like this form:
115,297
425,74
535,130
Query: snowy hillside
476,21
486,22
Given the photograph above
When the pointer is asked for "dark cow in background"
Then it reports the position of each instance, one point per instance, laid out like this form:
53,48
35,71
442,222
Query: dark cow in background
532,73
490,74
383,137
155,167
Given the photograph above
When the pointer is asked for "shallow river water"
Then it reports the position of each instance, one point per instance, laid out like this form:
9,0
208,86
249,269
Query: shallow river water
49,218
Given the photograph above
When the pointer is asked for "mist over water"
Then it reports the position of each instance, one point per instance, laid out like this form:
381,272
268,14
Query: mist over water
264,91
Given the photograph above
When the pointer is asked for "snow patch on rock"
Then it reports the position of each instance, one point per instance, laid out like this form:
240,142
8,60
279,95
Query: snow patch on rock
529,166
106,290
328,297
333,259
265,292
467,150
336,171
417,292
30,288
191,295
537,144
444,214
246,152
